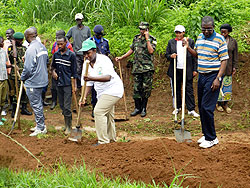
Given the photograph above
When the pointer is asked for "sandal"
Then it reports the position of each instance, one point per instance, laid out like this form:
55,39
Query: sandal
219,108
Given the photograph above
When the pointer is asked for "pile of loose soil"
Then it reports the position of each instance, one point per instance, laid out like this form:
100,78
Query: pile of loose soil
226,164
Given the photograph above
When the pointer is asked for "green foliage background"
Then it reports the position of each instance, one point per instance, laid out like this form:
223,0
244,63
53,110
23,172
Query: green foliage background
120,18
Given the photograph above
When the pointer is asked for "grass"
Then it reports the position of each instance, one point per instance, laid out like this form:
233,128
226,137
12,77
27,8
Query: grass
63,176
120,18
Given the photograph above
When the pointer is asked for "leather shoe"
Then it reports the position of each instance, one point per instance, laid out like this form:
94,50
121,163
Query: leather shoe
26,112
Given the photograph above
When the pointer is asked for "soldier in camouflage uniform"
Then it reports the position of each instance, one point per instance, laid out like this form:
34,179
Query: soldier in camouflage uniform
20,51
143,47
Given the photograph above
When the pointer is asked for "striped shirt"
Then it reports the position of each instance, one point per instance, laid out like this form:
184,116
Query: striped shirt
211,51
65,67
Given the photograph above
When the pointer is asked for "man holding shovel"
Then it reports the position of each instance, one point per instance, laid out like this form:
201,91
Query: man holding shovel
63,68
109,88
212,53
175,50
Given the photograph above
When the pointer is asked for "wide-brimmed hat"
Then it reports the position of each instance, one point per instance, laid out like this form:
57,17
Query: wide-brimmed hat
87,45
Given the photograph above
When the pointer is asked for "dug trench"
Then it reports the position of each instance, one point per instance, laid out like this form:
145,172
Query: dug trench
146,149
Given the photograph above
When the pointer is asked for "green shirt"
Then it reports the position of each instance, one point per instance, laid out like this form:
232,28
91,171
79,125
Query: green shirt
143,60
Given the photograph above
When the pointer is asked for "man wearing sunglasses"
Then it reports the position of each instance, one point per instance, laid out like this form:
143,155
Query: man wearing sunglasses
212,53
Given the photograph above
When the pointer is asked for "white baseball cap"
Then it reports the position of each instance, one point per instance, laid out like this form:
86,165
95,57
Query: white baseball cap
79,16
179,28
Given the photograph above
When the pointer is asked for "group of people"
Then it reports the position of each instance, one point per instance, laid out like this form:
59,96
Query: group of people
213,56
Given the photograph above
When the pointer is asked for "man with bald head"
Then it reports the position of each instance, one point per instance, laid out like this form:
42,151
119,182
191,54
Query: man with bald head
35,77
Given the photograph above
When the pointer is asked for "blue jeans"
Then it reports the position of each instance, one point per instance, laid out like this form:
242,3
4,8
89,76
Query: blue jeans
207,100
36,103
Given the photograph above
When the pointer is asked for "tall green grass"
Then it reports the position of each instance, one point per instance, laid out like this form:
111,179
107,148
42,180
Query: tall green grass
120,18
76,177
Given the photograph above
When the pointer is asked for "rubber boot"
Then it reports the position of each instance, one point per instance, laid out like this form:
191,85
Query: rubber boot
25,111
137,109
11,103
54,99
144,107
68,124
43,97
13,110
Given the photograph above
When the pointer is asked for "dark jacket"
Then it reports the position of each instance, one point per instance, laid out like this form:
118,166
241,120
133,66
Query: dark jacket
233,56
191,61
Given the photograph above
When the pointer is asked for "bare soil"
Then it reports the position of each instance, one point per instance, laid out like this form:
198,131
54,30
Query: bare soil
146,149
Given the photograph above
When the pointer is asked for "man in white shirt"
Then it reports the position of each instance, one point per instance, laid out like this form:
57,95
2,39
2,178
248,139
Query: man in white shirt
108,86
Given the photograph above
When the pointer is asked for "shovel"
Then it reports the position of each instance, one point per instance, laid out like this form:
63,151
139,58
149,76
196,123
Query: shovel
182,135
175,100
74,94
17,108
76,134
122,116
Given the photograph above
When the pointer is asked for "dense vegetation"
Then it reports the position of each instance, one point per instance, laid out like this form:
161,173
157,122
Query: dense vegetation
120,18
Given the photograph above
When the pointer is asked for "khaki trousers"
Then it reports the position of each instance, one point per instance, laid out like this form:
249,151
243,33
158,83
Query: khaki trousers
104,118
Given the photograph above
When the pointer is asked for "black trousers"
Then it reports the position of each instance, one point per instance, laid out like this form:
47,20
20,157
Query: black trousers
65,99
189,94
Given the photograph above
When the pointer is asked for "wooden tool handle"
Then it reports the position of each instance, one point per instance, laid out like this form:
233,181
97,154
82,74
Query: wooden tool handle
124,96
83,91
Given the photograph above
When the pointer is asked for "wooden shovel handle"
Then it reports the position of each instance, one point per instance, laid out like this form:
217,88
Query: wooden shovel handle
83,91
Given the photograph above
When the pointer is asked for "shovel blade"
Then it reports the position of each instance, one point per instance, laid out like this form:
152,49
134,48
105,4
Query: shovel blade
182,135
75,135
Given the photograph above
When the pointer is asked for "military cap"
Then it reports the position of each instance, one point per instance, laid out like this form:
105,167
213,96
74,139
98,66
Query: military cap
87,45
98,29
18,35
144,25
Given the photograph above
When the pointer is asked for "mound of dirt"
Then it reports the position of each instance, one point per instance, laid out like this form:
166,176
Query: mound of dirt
226,164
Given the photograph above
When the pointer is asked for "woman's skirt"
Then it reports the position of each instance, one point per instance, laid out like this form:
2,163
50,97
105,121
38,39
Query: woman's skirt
226,89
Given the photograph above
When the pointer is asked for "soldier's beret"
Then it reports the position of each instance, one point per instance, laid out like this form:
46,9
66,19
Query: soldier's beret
18,35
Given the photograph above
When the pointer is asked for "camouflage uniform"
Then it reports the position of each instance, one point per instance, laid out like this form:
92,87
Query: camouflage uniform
20,53
143,67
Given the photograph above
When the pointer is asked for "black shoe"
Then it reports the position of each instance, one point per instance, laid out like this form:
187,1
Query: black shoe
92,114
135,112
26,112
53,105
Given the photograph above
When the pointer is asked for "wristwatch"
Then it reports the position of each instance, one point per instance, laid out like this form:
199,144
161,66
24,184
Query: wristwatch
219,78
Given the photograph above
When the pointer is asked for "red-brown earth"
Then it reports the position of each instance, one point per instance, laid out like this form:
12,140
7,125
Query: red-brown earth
146,149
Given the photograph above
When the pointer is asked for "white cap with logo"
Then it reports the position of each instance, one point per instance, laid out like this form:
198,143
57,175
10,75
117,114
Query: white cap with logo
179,28
79,16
